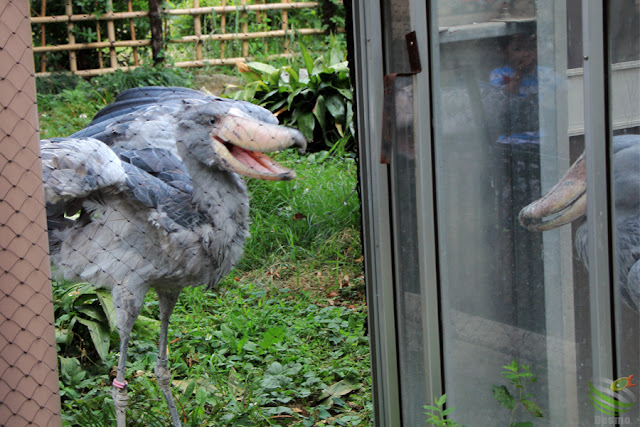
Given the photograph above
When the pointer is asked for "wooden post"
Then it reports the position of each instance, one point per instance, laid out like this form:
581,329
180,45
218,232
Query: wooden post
29,391
43,37
197,28
132,30
223,28
155,21
111,35
285,26
99,35
245,29
259,16
73,64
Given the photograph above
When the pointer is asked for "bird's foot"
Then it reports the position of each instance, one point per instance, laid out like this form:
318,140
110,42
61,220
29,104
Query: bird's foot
120,402
163,376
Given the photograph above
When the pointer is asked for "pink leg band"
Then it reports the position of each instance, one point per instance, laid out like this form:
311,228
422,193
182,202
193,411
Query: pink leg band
118,384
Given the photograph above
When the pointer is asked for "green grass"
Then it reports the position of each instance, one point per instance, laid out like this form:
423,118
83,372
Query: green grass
280,342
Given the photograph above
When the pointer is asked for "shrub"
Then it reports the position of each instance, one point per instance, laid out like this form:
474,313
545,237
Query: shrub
314,96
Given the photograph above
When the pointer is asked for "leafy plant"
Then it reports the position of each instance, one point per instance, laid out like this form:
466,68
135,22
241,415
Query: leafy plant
438,415
83,311
519,377
314,96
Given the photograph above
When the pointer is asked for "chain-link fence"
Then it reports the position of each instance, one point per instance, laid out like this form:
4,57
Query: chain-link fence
28,367
148,195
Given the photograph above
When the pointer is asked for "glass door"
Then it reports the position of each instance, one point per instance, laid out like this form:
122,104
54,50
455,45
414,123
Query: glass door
537,267
623,66
501,229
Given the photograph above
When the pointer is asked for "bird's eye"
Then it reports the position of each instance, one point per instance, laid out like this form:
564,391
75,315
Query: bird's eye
212,121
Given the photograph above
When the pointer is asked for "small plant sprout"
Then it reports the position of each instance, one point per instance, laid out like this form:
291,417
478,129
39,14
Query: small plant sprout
519,376
438,415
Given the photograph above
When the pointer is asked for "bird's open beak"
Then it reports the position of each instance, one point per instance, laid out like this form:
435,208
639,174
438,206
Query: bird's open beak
564,203
240,141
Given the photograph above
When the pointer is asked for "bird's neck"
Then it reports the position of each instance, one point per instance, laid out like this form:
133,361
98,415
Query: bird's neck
222,198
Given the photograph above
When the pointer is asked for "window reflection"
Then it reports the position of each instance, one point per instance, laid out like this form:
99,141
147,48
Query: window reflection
502,114
624,48
510,120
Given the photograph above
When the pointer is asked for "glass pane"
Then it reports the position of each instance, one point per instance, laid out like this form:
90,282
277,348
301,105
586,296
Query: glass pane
506,109
400,115
624,50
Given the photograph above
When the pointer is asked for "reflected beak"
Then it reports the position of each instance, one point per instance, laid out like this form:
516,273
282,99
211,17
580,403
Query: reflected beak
564,203
239,142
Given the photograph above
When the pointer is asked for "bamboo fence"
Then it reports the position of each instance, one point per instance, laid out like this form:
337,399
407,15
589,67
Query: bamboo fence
198,38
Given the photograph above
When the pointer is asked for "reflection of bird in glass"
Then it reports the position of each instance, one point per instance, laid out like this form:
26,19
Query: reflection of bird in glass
155,189
567,201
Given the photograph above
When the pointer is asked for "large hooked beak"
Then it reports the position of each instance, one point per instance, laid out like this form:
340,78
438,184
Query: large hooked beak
567,200
240,140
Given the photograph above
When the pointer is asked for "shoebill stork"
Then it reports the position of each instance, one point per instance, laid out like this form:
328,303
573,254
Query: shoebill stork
567,202
157,181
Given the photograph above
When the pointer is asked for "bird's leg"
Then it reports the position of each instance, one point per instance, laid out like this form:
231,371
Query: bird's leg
127,305
167,302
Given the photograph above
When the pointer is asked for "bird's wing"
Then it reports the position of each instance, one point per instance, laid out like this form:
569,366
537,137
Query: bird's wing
172,202
160,163
73,168
146,109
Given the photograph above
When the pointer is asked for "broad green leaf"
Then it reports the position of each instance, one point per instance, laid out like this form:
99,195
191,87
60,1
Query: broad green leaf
345,92
306,124
250,346
275,368
148,321
335,106
503,396
72,323
533,408
69,367
448,411
272,336
338,389
308,61
191,386
270,382
91,311
201,396
319,110
261,67
241,342
339,67
62,335
336,56
249,75
293,76
278,105
349,120
279,410
250,90
201,382
441,400
234,383
106,301
99,335
522,424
